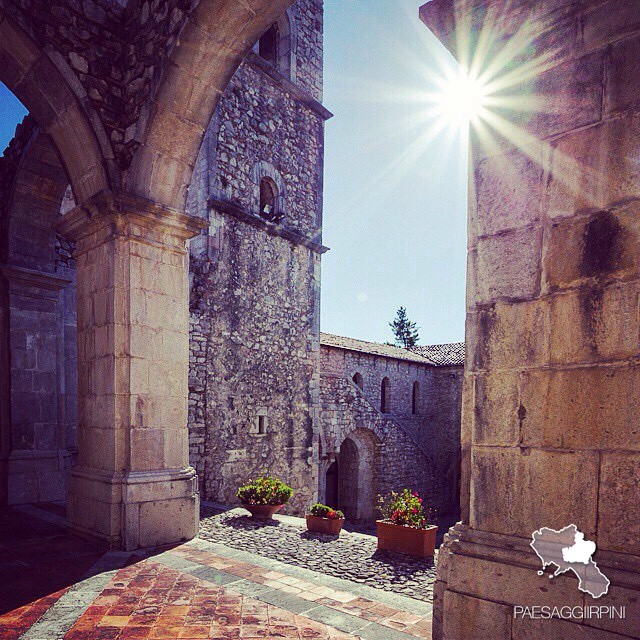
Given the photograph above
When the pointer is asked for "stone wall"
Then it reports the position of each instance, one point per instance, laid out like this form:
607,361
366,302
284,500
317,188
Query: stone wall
255,283
550,410
418,450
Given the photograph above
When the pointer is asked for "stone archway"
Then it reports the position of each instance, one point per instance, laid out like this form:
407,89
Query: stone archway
39,356
358,462
133,485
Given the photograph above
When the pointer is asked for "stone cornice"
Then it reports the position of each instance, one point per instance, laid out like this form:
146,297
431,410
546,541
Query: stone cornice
23,277
121,212
297,92
272,229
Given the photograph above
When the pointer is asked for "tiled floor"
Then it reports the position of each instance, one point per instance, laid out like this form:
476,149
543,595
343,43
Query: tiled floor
55,587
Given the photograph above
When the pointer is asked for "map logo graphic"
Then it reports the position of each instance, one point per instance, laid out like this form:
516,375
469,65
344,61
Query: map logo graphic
569,551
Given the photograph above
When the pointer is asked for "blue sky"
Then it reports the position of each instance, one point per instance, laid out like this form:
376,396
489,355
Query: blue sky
395,204
394,211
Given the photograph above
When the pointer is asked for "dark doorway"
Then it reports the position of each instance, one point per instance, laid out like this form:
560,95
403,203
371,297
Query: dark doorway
348,485
332,496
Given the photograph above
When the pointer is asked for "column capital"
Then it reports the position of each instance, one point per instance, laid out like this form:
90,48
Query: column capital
108,214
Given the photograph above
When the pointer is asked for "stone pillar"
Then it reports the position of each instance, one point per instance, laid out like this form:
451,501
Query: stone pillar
133,486
550,404
37,460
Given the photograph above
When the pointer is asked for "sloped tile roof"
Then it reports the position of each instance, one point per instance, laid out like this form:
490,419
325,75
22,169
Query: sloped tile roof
373,348
450,354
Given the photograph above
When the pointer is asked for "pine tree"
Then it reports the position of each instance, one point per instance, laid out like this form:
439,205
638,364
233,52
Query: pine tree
405,331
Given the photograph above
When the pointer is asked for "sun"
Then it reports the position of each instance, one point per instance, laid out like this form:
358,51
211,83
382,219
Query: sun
462,99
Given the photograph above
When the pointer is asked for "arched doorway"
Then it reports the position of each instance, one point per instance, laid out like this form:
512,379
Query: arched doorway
348,479
358,463
332,492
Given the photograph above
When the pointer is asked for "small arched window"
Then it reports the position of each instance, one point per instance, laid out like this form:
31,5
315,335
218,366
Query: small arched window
268,44
269,209
415,398
385,396
358,381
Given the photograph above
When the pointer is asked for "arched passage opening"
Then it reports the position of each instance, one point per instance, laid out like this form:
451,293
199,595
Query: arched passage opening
349,480
358,380
38,312
332,487
358,462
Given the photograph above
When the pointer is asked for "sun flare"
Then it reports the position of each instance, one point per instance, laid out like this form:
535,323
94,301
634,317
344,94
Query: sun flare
462,99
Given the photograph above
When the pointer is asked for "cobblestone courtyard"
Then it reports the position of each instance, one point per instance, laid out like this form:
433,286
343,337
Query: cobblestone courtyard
236,580
352,556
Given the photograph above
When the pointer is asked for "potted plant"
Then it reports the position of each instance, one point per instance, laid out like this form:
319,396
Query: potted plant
404,527
263,496
324,519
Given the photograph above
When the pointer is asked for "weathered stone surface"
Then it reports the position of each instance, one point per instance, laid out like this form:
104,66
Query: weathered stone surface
515,491
584,408
592,169
466,617
619,509
497,413
592,249
511,336
509,192
583,329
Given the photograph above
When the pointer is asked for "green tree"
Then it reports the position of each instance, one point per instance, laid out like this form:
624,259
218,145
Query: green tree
405,331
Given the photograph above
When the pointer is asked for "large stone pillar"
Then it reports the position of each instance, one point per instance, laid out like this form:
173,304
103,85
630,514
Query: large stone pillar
133,486
551,432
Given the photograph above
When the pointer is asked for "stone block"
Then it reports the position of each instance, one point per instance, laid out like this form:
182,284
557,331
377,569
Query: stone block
622,75
594,168
467,617
511,583
595,323
582,408
516,491
495,419
564,97
509,192
511,335
606,23
167,521
602,245
147,449
619,507
507,266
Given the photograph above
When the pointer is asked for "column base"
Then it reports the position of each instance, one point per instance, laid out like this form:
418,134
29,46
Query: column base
135,509
482,576
37,476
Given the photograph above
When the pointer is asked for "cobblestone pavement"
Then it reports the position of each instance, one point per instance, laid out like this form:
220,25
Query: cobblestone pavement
351,556
192,591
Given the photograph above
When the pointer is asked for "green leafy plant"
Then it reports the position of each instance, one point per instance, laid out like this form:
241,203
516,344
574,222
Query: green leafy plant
323,511
406,509
264,490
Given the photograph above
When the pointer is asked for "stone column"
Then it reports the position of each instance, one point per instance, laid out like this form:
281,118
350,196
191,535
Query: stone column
550,404
37,460
133,486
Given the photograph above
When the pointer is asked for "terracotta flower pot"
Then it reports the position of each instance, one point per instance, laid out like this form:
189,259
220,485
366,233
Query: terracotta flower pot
262,511
420,543
330,526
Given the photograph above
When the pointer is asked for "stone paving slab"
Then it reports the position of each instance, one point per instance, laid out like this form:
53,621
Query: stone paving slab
351,556
201,590
335,605
394,600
